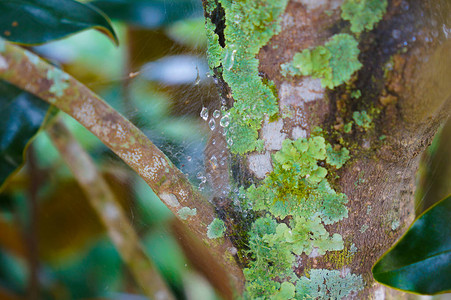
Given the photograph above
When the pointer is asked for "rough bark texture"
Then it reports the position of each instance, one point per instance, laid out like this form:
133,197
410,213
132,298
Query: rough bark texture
404,81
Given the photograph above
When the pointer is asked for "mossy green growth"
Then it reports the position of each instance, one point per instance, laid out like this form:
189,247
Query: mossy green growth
249,25
363,14
337,158
60,81
328,284
186,212
362,119
216,229
297,186
214,49
273,248
334,62
242,133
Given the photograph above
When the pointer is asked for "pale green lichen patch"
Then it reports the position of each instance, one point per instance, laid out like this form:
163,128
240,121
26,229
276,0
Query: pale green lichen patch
362,119
59,79
249,25
334,62
297,186
216,229
214,49
328,284
337,157
363,14
186,212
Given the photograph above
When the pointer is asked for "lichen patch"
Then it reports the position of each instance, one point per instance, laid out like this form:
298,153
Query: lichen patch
169,199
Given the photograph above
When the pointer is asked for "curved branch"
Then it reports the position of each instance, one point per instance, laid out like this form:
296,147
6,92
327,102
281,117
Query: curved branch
109,212
32,74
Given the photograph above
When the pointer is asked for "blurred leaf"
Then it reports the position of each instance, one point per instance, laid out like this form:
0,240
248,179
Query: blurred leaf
149,13
11,238
21,116
67,223
96,273
434,173
13,272
189,32
421,260
41,21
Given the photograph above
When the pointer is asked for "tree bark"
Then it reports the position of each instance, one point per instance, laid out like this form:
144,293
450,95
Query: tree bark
404,85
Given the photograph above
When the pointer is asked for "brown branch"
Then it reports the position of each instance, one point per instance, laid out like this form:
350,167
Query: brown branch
109,211
33,75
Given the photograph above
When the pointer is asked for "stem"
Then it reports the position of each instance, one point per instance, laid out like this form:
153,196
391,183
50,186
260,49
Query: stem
30,73
109,211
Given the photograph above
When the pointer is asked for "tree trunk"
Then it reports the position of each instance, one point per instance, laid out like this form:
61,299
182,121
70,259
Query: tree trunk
402,86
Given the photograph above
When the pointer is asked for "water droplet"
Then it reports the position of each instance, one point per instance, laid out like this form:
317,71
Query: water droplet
216,114
204,113
225,121
230,142
203,179
188,158
213,142
208,75
199,175
212,124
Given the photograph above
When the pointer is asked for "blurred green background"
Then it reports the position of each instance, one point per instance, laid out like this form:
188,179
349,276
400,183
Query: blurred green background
157,78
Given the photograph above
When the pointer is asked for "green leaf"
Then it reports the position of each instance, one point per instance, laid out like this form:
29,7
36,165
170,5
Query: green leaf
41,21
21,116
149,14
421,261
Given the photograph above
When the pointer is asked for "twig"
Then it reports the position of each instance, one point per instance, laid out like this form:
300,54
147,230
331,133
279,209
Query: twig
109,211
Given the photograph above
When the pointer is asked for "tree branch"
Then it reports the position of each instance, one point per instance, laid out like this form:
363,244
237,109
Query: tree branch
32,74
109,211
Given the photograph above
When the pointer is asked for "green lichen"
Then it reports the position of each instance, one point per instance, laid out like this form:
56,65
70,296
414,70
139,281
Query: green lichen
337,158
297,185
334,62
356,94
249,25
242,135
273,248
216,229
186,212
363,14
328,284
362,119
287,291
395,224
348,127
59,79
214,49
364,228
